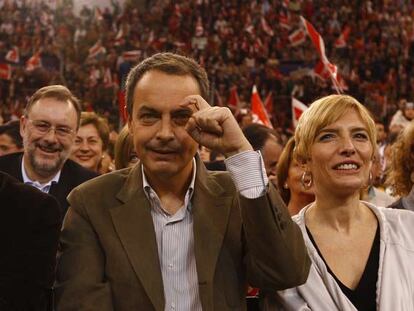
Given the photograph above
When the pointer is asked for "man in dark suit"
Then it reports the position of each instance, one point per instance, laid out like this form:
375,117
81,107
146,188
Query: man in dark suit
48,127
167,234
29,229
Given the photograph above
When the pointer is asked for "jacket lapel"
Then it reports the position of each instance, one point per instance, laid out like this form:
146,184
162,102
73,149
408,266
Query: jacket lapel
134,226
211,215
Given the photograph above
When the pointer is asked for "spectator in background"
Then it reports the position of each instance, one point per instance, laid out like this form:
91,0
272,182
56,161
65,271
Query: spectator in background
91,141
402,117
268,142
291,180
401,174
30,223
48,128
375,192
125,155
10,138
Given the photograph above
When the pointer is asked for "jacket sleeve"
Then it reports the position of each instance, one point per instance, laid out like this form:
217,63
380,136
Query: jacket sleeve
276,255
80,280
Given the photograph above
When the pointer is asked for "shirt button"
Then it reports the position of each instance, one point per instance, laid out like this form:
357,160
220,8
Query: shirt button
170,266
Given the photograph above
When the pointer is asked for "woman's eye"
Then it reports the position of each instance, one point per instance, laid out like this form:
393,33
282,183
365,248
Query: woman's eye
326,137
361,136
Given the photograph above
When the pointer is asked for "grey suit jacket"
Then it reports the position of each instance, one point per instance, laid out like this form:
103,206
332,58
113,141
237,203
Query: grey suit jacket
108,253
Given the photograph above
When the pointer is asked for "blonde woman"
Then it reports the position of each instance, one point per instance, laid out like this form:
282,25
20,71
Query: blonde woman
362,255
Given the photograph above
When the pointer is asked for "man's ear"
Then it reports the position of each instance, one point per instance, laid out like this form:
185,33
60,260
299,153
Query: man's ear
23,124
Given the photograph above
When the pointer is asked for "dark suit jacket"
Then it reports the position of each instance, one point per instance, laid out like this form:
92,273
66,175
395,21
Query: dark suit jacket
30,223
108,252
71,176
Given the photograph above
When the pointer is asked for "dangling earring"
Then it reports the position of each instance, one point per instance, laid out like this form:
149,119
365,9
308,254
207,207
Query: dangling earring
285,185
306,180
370,179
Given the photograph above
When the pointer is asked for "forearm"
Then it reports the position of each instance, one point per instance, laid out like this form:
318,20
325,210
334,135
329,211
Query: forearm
277,256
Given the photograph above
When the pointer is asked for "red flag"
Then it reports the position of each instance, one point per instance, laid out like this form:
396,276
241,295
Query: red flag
268,103
297,37
131,55
317,41
258,108
297,109
234,97
266,28
343,38
5,71
284,21
13,55
123,114
324,71
33,62
199,29
96,49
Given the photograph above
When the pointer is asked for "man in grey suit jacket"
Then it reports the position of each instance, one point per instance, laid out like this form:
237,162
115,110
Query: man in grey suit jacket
167,234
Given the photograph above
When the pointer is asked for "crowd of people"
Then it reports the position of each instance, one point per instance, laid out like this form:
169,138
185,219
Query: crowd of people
144,224
239,44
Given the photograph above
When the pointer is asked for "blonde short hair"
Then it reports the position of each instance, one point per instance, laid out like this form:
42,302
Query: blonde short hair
323,112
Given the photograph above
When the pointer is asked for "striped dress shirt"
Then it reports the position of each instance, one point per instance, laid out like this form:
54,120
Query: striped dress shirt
175,237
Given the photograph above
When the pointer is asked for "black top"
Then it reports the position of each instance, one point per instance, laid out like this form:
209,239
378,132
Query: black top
363,297
30,223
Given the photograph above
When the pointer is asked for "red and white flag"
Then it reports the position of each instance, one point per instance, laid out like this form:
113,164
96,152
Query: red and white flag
343,38
297,37
284,21
5,71
319,44
324,71
297,109
96,49
258,108
234,97
13,55
266,28
34,62
199,29
268,103
131,56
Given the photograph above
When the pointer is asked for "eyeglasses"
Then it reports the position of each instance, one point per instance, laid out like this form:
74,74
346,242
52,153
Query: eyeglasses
43,128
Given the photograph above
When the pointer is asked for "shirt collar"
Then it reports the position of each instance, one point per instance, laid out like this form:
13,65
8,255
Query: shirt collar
189,193
43,187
